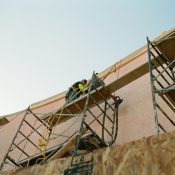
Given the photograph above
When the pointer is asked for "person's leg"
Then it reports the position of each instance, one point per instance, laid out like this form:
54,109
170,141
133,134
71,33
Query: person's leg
66,96
72,96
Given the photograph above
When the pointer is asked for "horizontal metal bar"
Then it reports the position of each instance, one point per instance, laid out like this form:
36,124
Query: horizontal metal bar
168,103
35,130
99,122
21,150
97,117
155,78
2,164
164,90
166,68
59,135
29,141
45,124
67,114
158,52
13,161
101,108
30,134
171,121
161,65
104,98
162,128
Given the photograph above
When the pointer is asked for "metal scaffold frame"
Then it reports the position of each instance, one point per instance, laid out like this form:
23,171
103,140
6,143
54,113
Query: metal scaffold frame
25,139
162,80
83,140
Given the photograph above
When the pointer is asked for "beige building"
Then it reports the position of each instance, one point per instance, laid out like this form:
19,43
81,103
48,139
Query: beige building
48,130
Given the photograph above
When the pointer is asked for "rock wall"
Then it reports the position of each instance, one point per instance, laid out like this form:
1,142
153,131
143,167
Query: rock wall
149,156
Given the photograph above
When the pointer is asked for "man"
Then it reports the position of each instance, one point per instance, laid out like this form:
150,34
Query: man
76,90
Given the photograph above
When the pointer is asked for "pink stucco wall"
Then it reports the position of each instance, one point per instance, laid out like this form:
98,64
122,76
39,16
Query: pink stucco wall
136,119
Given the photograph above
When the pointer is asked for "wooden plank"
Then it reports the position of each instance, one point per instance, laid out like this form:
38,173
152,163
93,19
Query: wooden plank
3,121
128,78
68,146
106,91
78,102
131,76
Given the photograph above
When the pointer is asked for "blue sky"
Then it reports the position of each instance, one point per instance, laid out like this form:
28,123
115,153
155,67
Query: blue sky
45,46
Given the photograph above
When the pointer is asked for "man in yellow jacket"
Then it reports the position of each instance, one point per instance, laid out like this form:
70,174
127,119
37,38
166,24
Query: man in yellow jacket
76,90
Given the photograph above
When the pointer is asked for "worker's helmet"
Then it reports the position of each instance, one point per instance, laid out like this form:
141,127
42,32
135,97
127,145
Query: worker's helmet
84,81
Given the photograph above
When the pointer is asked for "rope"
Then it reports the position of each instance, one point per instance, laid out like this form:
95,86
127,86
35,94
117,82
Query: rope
44,144
113,69
64,132
59,117
117,76
109,72
41,142
27,140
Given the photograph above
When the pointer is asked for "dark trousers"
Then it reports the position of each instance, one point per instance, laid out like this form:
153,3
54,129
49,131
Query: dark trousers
71,95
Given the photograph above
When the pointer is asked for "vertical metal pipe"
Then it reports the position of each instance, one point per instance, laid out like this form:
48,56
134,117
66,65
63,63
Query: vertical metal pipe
83,119
104,117
101,109
96,119
152,88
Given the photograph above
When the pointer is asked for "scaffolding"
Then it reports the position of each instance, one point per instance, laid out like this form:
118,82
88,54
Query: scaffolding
90,122
161,61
